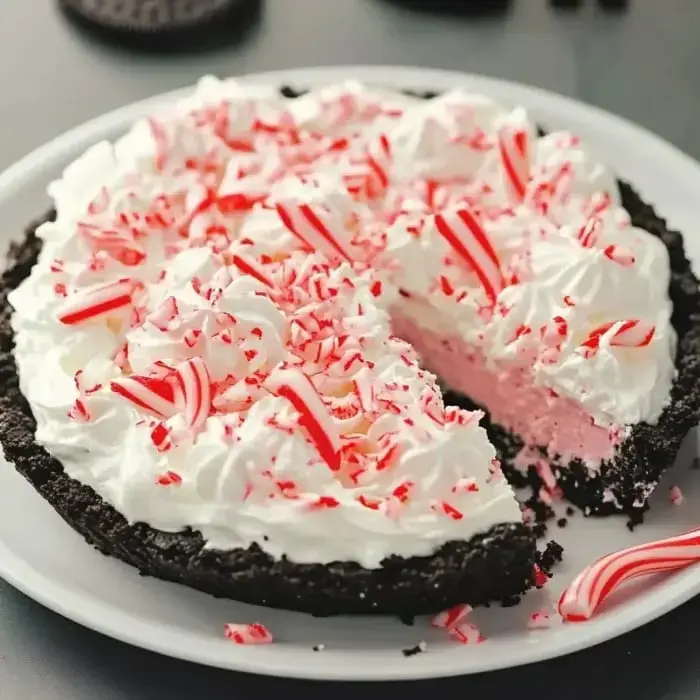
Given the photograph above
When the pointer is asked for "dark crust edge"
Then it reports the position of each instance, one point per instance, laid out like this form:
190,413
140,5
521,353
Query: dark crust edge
493,566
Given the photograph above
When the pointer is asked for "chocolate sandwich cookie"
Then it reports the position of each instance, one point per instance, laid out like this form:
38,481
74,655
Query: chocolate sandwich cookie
163,25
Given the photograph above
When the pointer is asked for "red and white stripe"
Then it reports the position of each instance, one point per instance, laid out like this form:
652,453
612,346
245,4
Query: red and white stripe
627,334
514,149
254,633
162,437
467,633
619,254
598,204
164,314
313,227
467,237
248,265
368,176
97,301
590,232
193,380
296,387
153,394
596,582
449,618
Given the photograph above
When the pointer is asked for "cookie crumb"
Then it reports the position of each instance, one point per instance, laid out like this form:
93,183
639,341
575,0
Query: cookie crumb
417,649
553,553
319,647
562,522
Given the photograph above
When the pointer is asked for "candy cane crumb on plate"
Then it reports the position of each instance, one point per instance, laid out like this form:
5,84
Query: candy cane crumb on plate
675,495
454,621
253,633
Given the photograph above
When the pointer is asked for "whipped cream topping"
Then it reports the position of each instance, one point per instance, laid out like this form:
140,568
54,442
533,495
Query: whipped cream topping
205,339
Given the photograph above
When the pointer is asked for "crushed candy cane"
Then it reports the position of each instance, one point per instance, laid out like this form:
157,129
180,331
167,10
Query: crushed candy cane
253,633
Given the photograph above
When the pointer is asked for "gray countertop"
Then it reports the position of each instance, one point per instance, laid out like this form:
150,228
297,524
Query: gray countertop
642,64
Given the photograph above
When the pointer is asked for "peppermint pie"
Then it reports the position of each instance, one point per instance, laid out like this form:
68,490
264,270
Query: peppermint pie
222,359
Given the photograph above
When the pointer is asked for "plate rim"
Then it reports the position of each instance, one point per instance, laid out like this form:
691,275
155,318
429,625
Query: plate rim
95,615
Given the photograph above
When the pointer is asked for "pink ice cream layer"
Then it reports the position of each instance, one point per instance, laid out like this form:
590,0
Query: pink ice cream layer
533,413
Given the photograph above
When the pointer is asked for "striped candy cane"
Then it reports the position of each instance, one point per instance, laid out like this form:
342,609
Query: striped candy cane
194,384
627,334
97,301
597,581
249,266
296,387
153,394
514,150
315,228
469,240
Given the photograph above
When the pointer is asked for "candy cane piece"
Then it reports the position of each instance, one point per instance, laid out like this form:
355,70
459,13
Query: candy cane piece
254,633
453,616
675,495
597,581
193,379
79,411
629,334
555,332
619,254
539,620
466,633
296,387
97,301
514,149
151,394
369,174
249,266
590,232
469,240
162,437
313,229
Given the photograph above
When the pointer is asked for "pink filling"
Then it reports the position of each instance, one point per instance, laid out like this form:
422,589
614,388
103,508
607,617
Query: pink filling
537,415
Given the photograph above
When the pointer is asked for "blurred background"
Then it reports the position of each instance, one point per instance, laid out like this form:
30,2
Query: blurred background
640,61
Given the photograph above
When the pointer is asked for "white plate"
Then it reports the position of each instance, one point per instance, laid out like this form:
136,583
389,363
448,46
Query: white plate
41,556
